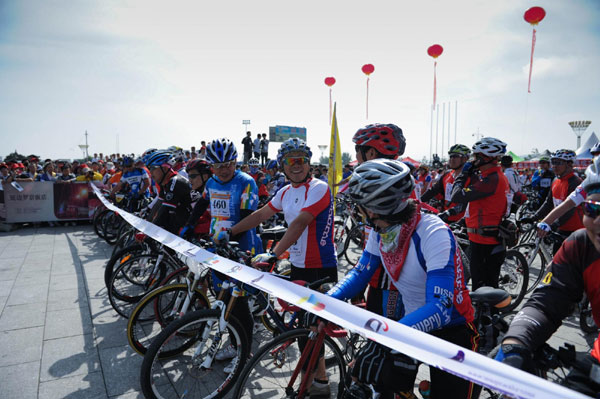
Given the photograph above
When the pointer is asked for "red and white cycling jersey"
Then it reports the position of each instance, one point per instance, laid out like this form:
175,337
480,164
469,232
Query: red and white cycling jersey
315,248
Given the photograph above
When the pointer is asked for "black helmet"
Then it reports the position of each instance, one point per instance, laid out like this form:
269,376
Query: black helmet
506,161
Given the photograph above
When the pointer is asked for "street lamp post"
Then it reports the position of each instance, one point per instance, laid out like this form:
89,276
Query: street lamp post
245,122
578,128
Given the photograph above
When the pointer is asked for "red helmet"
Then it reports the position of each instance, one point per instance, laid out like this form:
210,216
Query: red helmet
200,165
386,139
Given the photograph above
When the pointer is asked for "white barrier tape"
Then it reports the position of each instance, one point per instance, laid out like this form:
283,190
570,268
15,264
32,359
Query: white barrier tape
424,347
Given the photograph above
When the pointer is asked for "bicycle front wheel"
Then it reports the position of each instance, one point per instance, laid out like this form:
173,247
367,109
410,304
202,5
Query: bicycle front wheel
181,362
268,373
156,310
514,277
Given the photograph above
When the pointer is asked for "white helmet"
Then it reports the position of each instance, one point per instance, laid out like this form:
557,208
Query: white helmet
592,175
490,147
381,186
253,162
565,155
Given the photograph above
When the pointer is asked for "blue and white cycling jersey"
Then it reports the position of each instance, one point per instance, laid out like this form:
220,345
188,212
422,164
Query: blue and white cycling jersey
431,292
227,201
134,179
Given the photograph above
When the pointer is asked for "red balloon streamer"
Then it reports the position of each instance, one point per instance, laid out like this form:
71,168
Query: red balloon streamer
367,70
533,15
435,51
330,82
531,61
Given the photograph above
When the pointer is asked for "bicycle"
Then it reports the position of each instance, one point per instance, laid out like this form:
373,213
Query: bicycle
183,354
279,368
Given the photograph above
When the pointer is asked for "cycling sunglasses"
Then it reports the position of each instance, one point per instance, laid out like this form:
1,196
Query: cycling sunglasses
291,161
557,162
223,165
591,209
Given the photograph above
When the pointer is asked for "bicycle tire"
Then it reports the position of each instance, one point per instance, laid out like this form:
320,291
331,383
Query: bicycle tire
159,377
155,311
132,280
340,231
586,319
98,223
120,257
514,278
356,238
525,250
253,381
111,225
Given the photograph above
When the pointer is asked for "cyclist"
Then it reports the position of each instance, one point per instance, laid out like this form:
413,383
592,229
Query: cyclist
254,167
458,155
486,195
542,178
199,172
423,178
174,201
233,196
277,179
307,206
135,180
506,162
565,183
378,141
417,252
573,271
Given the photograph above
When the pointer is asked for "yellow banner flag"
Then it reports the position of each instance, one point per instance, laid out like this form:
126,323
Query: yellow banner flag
335,157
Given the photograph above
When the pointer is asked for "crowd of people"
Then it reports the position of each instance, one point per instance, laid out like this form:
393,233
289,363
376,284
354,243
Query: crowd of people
410,263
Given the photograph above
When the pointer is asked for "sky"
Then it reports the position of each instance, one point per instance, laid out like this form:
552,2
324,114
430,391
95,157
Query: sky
152,74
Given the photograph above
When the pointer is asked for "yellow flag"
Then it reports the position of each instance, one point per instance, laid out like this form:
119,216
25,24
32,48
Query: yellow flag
335,156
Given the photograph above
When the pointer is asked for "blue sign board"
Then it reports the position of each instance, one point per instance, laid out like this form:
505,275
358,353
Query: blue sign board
282,133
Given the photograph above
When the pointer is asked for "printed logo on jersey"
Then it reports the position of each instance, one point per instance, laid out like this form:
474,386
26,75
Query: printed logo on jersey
246,198
547,278
318,306
169,196
376,325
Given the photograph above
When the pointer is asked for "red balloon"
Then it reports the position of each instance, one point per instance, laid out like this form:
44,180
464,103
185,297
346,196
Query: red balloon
534,15
330,81
435,51
368,69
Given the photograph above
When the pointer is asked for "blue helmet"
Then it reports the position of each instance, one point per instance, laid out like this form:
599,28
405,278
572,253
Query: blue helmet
272,164
158,158
293,144
127,161
221,150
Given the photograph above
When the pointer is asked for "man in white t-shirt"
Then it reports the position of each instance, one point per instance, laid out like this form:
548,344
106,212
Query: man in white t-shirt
513,179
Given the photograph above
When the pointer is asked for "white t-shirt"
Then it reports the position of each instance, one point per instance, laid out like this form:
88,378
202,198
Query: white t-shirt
315,247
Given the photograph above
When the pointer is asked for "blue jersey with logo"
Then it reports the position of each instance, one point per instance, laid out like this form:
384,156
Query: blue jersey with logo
135,179
227,200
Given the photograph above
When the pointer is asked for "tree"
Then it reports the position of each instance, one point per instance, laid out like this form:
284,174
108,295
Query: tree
15,156
346,158
324,160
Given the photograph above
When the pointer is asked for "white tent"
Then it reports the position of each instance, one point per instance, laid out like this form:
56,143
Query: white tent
583,152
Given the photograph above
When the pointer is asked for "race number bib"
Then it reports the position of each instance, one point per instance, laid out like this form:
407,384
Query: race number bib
219,204
448,194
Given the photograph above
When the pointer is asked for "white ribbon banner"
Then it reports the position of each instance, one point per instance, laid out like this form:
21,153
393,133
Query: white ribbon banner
419,345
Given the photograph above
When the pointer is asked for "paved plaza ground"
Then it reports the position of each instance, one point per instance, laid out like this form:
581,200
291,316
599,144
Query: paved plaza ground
59,336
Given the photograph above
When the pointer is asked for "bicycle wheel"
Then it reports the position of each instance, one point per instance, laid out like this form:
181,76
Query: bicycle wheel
355,243
111,224
132,280
340,231
98,229
586,319
120,257
268,372
156,310
537,263
180,362
514,276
